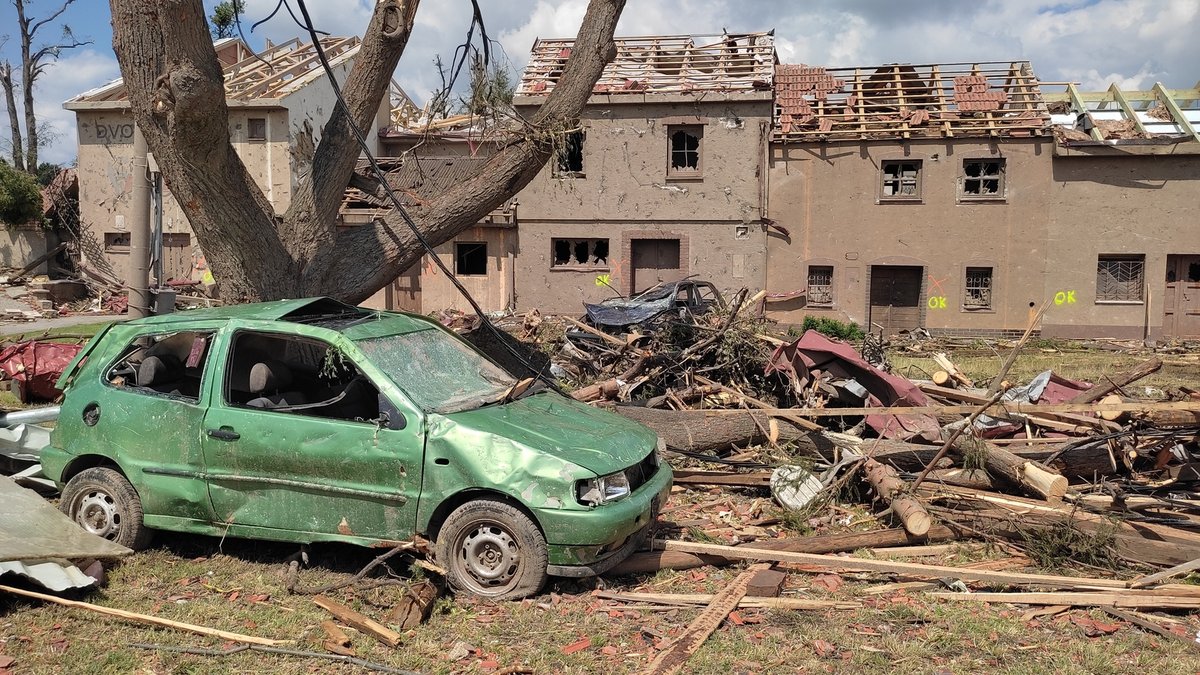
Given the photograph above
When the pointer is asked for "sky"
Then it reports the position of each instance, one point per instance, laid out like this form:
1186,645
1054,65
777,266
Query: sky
1134,43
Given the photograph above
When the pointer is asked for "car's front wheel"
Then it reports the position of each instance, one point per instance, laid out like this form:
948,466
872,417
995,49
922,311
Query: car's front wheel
104,503
492,549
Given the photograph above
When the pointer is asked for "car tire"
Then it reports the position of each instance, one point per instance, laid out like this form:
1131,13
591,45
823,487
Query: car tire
492,549
103,502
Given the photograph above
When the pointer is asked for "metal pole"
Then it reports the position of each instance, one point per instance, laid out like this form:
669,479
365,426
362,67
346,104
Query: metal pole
139,231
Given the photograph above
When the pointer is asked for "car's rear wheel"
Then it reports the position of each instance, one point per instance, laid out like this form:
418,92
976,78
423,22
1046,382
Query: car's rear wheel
104,503
492,549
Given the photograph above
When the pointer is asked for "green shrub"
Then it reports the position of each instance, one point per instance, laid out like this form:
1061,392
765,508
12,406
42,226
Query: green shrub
20,197
842,330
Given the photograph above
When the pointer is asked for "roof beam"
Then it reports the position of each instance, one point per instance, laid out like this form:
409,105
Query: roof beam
1129,111
1077,103
1176,113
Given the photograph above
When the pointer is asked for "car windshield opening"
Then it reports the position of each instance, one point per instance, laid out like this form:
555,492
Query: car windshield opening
439,372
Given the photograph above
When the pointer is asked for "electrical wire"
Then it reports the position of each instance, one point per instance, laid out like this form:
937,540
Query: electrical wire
381,177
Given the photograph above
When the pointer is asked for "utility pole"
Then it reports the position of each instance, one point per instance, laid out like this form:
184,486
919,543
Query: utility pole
138,281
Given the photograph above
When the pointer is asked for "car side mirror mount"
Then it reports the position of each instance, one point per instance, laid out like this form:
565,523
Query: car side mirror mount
390,416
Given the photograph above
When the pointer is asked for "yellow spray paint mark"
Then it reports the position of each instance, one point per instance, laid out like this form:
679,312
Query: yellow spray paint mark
603,280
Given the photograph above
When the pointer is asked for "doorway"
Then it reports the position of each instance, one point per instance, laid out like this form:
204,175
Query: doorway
653,261
1181,300
895,301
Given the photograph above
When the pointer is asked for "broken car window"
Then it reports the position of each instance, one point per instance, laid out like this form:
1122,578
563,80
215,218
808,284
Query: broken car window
166,365
301,376
439,372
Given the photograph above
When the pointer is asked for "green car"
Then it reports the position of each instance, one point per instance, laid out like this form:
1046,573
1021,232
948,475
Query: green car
311,420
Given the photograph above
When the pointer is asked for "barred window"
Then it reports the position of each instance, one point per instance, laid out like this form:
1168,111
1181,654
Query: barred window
901,180
1120,278
820,285
977,293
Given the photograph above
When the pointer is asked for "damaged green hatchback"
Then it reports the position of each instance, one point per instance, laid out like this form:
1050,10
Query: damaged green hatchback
311,420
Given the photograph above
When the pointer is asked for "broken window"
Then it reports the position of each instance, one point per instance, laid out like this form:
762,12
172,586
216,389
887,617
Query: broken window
1120,278
584,253
569,158
983,178
470,258
901,179
168,365
684,150
297,375
256,128
116,242
977,292
820,285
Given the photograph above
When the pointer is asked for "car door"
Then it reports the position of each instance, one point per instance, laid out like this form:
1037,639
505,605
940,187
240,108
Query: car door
146,412
296,467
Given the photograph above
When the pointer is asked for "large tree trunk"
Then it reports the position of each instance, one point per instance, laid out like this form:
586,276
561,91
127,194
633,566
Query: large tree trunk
14,124
28,70
700,431
176,93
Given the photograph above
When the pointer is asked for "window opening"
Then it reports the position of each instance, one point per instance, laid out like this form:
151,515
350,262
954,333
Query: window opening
588,253
570,156
978,290
901,179
256,129
685,150
470,258
983,177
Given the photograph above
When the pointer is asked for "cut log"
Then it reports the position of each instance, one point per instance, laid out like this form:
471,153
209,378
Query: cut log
1033,478
739,479
1115,382
702,431
1111,415
1081,464
608,389
971,478
414,608
652,561
943,379
952,371
891,489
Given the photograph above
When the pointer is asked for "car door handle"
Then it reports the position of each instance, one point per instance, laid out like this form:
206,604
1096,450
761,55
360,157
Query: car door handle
224,434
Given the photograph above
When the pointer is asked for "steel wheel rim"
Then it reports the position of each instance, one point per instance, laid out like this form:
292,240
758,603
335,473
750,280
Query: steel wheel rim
489,557
97,513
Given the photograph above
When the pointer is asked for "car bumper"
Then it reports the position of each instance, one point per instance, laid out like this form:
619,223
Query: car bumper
587,543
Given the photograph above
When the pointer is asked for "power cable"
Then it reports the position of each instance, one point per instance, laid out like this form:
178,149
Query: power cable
381,177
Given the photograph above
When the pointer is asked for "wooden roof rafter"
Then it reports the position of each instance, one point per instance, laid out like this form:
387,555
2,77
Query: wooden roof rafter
1165,97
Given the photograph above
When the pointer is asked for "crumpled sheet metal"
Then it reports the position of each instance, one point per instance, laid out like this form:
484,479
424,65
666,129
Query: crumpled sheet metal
627,312
1045,387
815,351
56,575
36,367
32,530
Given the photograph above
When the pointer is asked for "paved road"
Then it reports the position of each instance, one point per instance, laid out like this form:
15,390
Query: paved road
41,325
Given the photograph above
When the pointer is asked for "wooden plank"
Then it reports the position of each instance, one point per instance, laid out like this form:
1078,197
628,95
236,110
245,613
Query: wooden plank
1149,625
889,567
361,622
1126,599
675,657
1001,407
1151,579
338,642
1115,382
147,619
685,599
754,479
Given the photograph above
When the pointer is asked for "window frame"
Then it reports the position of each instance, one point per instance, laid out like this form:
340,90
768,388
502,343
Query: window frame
562,154
1001,177
696,130
830,288
1140,260
585,267
106,376
457,258
251,123
884,178
967,287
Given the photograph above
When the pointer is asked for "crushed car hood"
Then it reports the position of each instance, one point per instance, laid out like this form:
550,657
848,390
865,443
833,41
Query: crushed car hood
597,440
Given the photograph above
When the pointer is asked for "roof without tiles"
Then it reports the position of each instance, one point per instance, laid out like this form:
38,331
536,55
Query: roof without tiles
813,103
1117,116
680,64
270,75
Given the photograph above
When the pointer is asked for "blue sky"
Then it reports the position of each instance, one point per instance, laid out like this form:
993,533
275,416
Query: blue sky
1094,42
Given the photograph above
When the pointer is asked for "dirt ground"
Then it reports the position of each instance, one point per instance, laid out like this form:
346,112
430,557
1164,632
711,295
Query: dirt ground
239,586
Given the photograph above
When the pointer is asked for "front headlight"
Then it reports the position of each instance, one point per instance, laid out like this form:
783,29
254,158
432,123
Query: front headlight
596,491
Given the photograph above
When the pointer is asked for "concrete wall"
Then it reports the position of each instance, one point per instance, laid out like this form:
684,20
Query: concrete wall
20,245
1042,239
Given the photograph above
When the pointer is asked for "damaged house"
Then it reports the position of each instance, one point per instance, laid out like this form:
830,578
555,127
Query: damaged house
278,103
961,197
